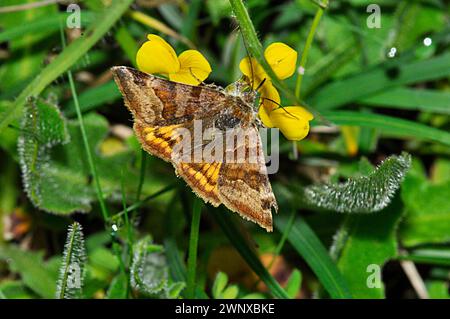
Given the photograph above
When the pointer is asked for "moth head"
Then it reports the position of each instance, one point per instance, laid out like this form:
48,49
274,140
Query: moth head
137,91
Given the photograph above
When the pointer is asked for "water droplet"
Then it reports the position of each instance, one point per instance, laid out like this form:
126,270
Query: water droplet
427,41
392,52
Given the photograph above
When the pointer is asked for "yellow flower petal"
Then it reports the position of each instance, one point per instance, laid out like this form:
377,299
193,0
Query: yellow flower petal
282,59
253,71
194,68
293,121
269,98
157,56
264,117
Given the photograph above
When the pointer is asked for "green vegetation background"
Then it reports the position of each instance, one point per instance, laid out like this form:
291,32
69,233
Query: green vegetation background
84,213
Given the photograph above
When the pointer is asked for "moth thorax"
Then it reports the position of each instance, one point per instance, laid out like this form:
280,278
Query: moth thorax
242,90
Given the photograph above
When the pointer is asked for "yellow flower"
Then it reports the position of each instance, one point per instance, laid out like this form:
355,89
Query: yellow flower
282,60
156,56
293,121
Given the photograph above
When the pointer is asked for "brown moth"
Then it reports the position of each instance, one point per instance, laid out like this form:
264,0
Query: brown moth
162,108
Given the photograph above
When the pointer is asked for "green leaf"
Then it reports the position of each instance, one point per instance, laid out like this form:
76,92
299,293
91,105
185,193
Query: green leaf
385,76
32,269
220,282
364,194
294,283
434,256
150,273
27,55
220,290
231,231
63,181
67,58
93,98
43,127
389,125
306,243
118,287
231,292
370,241
10,289
71,274
41,27
411,99
438,289
427,216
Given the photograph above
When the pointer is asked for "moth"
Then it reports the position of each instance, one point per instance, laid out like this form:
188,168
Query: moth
162,109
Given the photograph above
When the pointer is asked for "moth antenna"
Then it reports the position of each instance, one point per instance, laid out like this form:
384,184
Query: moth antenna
260,84
281,106
193,75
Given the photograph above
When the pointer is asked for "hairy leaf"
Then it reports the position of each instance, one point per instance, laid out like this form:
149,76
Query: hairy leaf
71,275
56,177
43,127
364,194
150,273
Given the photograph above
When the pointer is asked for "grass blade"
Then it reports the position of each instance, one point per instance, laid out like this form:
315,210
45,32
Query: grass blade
224,220
66,59
385,76
306,243
193,245
411,99
388,124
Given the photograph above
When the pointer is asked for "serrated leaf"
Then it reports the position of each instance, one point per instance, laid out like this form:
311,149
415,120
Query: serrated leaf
369,242
365,194
71,273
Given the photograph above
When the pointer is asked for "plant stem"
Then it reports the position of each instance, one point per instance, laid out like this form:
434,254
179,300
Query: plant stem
142,202
255,47
129,235
284,237
87,148
141,179
308,43
193,245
